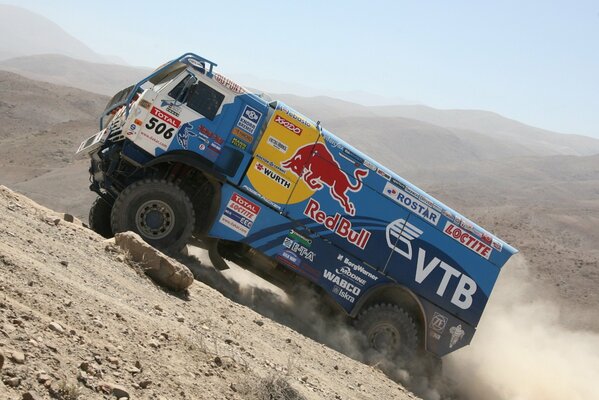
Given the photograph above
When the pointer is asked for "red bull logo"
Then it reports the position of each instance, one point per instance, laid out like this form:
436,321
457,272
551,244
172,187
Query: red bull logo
321,169
337,224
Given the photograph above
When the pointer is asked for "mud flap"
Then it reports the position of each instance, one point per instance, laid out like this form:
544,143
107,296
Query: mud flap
217,261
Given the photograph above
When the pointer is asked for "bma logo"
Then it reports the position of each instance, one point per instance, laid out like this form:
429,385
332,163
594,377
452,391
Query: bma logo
405,232
438,322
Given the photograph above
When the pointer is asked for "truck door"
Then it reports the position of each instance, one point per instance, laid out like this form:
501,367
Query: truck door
267,177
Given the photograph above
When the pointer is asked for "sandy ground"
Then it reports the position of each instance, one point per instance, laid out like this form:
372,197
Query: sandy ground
76,318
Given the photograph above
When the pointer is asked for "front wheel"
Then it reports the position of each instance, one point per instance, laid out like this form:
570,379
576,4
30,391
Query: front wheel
158,210
390,331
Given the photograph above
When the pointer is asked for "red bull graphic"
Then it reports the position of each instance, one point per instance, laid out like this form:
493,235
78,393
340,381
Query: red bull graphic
317,167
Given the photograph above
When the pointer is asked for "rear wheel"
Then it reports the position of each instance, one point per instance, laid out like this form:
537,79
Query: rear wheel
99,217
158,210
390,331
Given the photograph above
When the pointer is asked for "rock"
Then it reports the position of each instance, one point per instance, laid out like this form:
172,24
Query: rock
145,384
154,343
1,360
30,396
133,370
162,269
116,390
258,322
43,377
68,218
218,361
304,378
157,307
65,263
56,327
17,357
12,382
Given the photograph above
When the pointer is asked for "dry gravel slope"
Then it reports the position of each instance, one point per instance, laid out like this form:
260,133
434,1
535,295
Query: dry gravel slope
74,314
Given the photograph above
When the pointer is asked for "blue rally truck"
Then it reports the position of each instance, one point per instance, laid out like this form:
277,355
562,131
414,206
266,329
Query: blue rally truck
186,153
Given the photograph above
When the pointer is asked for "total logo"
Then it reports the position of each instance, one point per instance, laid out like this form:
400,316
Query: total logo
317,167
401,231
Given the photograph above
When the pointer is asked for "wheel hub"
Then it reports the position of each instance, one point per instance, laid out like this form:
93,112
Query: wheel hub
385,338
155,219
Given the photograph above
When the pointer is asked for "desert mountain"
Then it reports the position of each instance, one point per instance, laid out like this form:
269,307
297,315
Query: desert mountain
105,79
31,33
492,132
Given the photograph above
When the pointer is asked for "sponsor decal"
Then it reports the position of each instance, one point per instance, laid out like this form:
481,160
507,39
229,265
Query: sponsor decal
457,333
138,122
342,288
277,144
169,119
133,127
215,147
346,271
369,165
337,224
351,157
466,239
299,238
172,106
248,121
438,322
271,164
411,203
448,214
264,199
185,133
357,267
242,135
238,143
210,135
497,245
405,233
145,104
469,226
290,258
295,116
383,174
288,124
486,238
240,214
323,169
272,175
299,249
229,84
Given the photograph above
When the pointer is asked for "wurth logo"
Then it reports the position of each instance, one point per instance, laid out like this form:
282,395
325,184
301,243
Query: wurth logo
269,173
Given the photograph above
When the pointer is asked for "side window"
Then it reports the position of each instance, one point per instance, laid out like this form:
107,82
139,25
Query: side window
180,91
205,100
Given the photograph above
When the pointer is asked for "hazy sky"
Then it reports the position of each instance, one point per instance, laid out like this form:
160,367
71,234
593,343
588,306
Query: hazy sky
534,61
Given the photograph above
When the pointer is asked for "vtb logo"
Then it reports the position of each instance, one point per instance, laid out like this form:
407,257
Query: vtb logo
317,167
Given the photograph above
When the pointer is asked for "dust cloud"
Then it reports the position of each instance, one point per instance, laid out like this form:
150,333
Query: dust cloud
524,349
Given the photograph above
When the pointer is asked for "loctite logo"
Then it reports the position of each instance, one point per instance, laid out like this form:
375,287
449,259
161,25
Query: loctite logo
287,124
337,224
466,239
169,119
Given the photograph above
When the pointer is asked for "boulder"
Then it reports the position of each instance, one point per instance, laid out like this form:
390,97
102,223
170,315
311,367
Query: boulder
163,269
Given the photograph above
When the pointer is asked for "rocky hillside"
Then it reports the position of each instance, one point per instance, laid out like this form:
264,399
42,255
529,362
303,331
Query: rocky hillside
78,322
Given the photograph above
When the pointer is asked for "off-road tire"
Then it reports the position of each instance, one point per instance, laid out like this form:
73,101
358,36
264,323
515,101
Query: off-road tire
389,330
99,217
158,201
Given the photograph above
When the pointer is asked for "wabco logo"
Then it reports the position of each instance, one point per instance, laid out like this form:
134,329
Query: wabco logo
290,126
343,288
405,232
337,224
273,176
322,169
